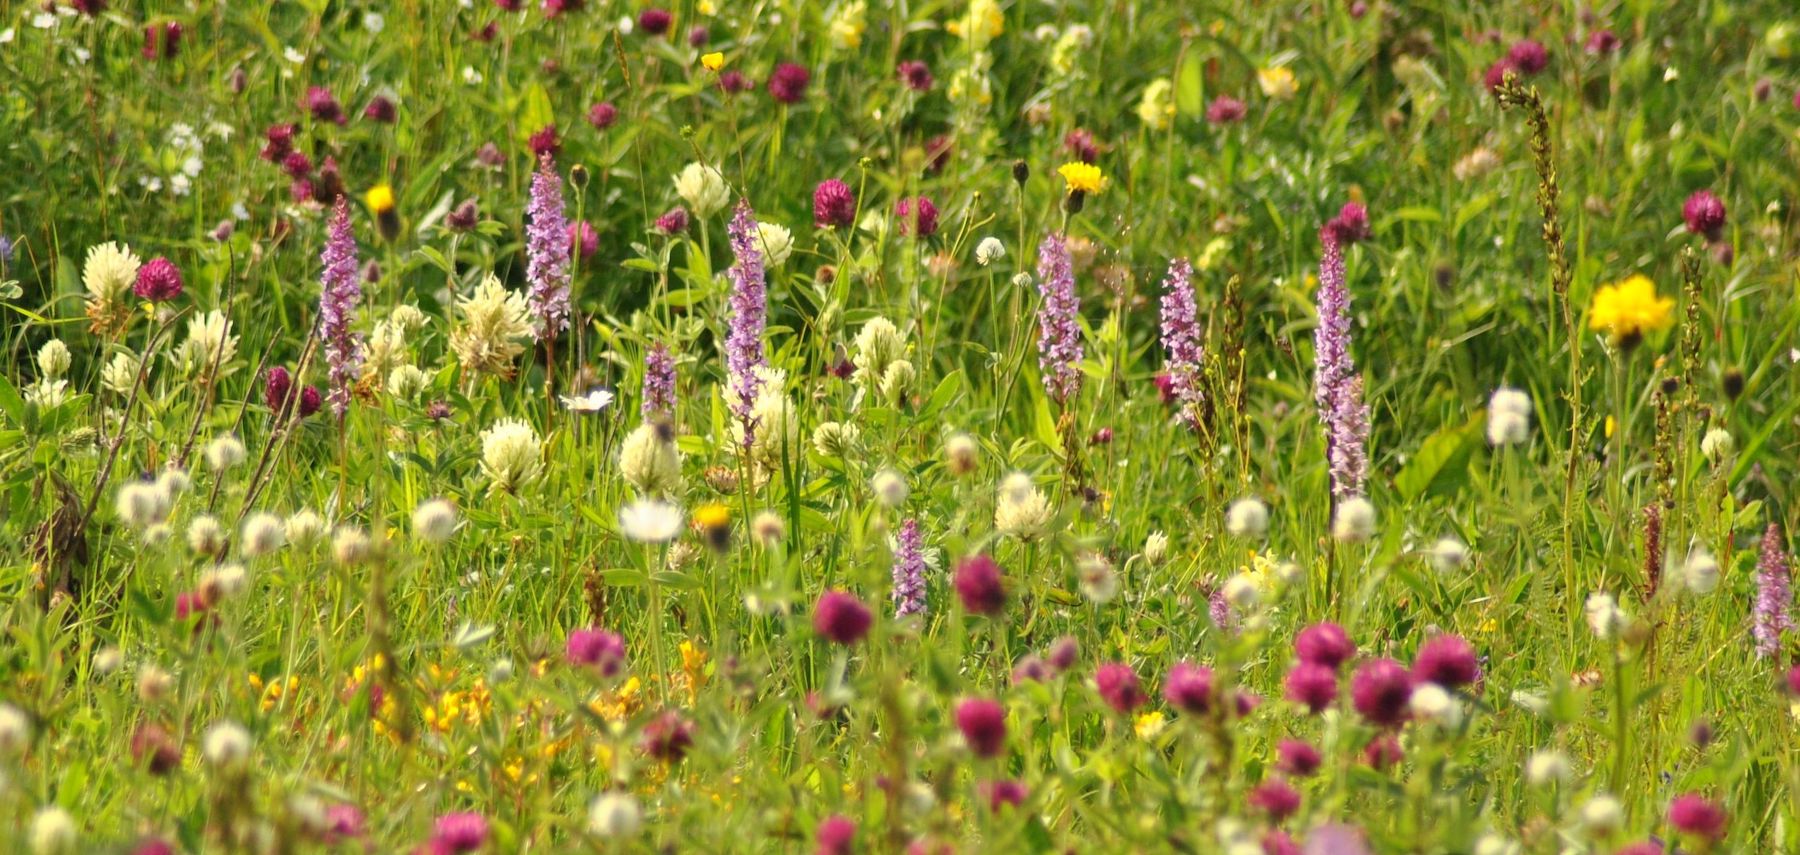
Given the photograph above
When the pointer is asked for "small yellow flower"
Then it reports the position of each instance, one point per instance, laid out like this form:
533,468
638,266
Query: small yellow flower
1082,177
1626,310
706,7
713,523
380,198
713,61
1278,82
1149,725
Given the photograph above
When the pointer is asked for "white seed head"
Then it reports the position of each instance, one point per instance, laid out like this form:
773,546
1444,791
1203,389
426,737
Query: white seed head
52,832
434,520
350,546
1547,767
961,453
1247,517
1448,554
263,533
768,528
890,488
225,745
614,815
223,453
15,729
205,536
303,527
1602,816
1354,521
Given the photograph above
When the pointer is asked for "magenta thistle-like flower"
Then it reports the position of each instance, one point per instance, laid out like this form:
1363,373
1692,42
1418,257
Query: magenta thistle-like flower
983,726
659,384
916,75
841,618
1774,598
602,115
673,222
323,105
1275,797
1225,110
979,586
1696,815
749,313
1380,691
1324,643
1059,321
835,836
547,251
597,649
668,737
1448,661
1297,758
1704,213
917,216
340,292
1337,388
460,832
1118,686
1313,686
834,204
909,570
158,280
1182,346
788,82
1189,688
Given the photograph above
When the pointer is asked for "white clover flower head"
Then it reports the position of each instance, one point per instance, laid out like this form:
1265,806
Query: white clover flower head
1354,521
1097,581
1247,517
262,533
303,527
1430,703
209,344
836,439
1022,510
53,359
512,457
961,453
1602,816
1718,446
989,250
650,461
108,659
142,504
351,546
120,375
1495,844
1700,571
1604,616
1448,555
878,345
433,521
776,242
890,487
15,730
702,188
52,832
1509,417
153,683
650,521
222,583
494,327
1547,767
405,382
768,528
224,453
205,536
1156,548
225,745
109,272
614,815
1242,592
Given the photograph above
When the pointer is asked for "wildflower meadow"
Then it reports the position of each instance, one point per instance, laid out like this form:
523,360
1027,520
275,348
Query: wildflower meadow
1315,427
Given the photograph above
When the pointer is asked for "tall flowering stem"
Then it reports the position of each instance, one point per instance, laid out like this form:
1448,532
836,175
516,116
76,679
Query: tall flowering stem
1337,388
659,384
1774,596
749,314
1181,340
547,251
340,292
1059,321
909,571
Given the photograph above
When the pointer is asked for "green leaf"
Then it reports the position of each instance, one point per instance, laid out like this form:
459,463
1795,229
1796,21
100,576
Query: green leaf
11,404
535,110
1190,92
1442,462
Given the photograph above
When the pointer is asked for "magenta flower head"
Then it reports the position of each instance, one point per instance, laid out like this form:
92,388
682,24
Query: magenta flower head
1225,110
1297,758
983,726
834,204
1189,688
1793,680
916,75
1063,653
1448,661
1275,797
1696,815
1380,691
597,649
602,115
978,585
381,110
788,82
1079,143
1005,793
280,142
1383,751
1351,224
917,216
153,846
1496,73
1602,42
460,832
1529,56
655,22
699,36
296,164
1704,213
545,143
162,41
835,836
1643,847
1118,686
158,281
733,81
344,822
1324,643
583,239
1276,841
323,106
1313,686
277,386
842,618
668,737
673,221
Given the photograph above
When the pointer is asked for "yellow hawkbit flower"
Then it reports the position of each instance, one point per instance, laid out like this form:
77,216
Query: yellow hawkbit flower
380,198
1278,82
1082,177
713,523
1628,309
713,61
1149,725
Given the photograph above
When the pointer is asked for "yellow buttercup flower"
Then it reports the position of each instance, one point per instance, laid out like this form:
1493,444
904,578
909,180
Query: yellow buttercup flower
713,61
380,198
1082,177
1149,725
1626,310
1277,82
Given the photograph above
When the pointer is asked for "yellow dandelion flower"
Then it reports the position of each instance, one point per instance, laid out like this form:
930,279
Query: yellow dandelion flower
713,61
380,198
1149,725
1082,177
1626,310
1278,82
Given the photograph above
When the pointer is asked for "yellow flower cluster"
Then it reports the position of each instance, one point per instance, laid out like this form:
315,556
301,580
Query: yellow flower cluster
1082,177
1626,310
